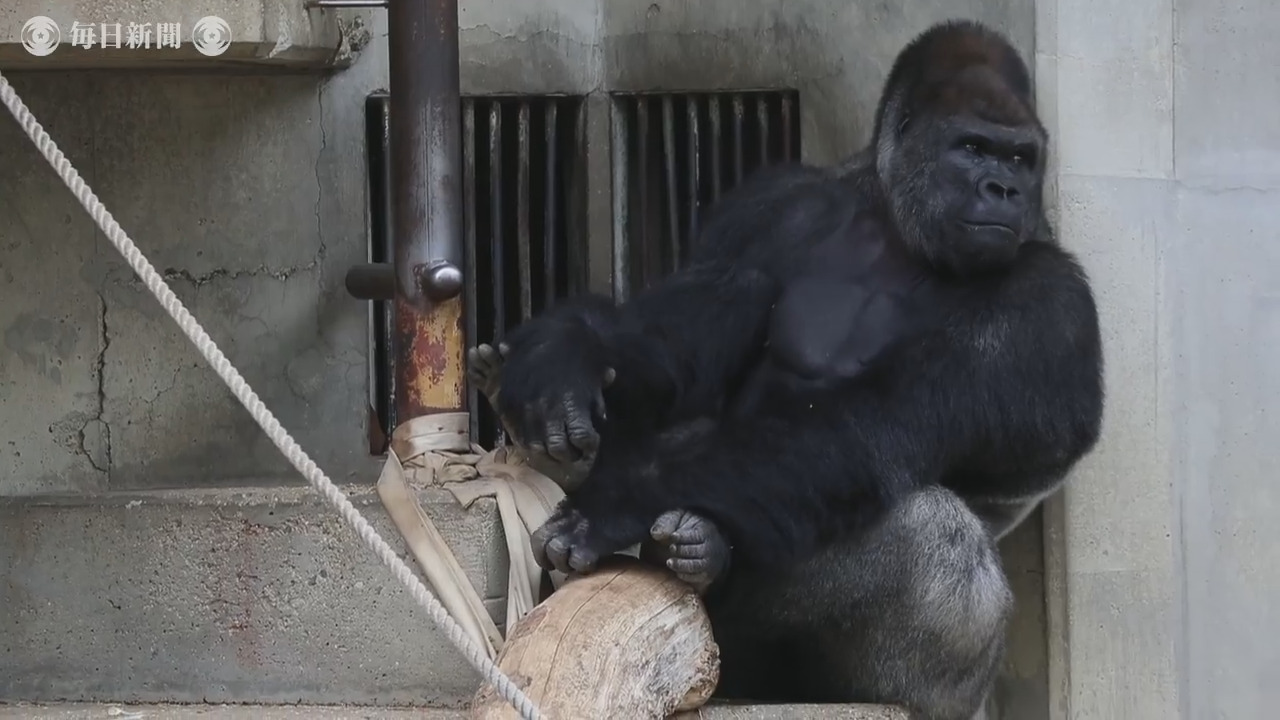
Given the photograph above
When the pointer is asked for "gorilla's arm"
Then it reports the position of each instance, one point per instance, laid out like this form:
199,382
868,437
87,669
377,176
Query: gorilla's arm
1008,395
673,350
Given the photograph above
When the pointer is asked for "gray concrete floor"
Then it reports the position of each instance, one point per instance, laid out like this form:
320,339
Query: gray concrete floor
313,712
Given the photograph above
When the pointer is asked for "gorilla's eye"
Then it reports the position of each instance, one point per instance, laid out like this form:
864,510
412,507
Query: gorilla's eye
1024,157
973,145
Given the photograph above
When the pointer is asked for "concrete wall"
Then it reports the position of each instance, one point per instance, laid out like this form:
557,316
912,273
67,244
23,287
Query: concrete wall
248,192
1163,578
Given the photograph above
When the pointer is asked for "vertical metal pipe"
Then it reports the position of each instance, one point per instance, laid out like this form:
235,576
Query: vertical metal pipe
621,203
381,252
524,239
472,273
669,161
717,142
595,191
425,128
739,112
787,152
386,254
551,196
646,249
762,121
694,159
496,230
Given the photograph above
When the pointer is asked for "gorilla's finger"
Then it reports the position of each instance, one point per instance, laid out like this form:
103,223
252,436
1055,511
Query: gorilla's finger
532,427
487,361
695,529
488,354
558,445
684,566
694,534
536,447
476,368
504,350
558,553
583,560
694,551
538,542
583,435
598,408
609,376
666,524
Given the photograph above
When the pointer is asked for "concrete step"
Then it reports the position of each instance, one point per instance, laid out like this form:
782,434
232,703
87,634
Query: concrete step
241,603
227,596
298,712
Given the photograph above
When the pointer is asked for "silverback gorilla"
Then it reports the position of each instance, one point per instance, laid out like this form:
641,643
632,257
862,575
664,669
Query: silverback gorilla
861,381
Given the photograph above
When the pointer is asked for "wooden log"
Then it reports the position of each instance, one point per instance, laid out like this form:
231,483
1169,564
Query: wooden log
628,641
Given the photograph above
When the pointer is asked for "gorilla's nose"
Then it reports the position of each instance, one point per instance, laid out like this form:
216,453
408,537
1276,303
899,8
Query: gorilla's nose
995,191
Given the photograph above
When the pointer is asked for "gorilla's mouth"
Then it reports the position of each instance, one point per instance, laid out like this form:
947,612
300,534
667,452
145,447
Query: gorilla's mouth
979,226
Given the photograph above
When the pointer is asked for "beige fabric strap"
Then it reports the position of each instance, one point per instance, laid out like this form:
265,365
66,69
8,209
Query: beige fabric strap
434,450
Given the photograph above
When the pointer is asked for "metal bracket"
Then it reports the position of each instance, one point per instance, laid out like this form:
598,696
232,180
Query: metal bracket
312,4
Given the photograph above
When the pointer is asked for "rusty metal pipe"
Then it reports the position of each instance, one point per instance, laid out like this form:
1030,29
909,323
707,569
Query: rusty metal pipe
426,170
426,144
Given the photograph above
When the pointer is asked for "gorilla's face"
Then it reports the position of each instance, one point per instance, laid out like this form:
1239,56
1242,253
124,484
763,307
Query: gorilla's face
967,192
993,175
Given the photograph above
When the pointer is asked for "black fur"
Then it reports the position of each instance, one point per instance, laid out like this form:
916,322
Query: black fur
849,387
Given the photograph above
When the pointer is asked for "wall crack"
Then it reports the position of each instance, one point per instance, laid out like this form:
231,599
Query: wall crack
324,143
177,274
100,364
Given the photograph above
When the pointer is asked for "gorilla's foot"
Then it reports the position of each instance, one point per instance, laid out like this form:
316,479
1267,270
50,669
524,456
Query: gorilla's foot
693,546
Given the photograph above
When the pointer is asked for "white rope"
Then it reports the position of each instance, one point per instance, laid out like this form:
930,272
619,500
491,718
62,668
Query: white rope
247,397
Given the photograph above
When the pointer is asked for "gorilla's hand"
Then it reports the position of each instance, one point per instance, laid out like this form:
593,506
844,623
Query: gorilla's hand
694,548
570,542
558,544
547,384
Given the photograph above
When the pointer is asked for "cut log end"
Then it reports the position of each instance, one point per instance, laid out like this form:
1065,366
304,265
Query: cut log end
627,641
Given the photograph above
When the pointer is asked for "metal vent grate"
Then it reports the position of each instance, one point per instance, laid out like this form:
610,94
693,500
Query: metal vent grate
524,185
526,161
677,153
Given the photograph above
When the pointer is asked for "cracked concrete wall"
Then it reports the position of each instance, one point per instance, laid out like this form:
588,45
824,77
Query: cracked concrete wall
233,189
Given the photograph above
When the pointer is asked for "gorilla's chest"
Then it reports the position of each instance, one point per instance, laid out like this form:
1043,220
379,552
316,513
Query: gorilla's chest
852,302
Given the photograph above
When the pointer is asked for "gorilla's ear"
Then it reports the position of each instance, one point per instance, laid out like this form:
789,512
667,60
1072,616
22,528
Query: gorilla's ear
901,128
895,113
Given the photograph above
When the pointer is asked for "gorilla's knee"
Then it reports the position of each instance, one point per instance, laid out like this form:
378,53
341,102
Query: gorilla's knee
956,584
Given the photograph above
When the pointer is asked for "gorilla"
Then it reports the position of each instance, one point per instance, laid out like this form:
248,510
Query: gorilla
862,380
